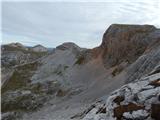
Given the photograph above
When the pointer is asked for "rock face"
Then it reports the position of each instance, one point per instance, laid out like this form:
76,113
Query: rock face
145,63
68,45
138,100
62,84
136,46
125,43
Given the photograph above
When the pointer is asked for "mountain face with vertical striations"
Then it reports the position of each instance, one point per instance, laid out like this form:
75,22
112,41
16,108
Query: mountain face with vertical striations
118,80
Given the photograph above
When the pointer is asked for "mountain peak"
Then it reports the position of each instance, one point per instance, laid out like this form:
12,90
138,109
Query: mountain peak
68,45
39,48
122,42
16,44
124,31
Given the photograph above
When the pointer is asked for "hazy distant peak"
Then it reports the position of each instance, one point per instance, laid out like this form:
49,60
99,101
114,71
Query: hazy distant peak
39,45
15,44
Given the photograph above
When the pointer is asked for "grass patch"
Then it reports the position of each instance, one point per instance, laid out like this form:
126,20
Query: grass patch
80,60
21,102
15,82
117,70
20,77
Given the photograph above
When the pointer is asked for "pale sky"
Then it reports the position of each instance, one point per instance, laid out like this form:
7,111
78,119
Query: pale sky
53,23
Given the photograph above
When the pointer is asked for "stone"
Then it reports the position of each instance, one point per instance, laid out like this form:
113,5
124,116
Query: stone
155,111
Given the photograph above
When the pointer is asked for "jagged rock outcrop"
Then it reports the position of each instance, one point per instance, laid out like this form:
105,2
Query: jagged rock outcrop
139,100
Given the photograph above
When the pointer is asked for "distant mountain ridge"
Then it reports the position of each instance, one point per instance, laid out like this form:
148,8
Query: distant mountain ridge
36,48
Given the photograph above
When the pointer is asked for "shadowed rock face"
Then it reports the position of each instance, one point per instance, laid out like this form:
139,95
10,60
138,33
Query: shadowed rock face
145,63
136,46
125,43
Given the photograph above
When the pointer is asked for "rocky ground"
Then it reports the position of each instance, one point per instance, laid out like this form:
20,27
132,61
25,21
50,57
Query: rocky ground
70,82
138,100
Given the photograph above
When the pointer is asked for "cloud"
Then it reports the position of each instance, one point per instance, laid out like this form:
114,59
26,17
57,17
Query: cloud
52,23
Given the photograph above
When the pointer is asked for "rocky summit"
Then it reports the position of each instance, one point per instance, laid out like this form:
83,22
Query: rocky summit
117,80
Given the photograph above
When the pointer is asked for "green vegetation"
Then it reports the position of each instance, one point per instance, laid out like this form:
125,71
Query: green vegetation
117,70
29,67
80,60
20,77
15,82
65,67
21,102
36,88
61,93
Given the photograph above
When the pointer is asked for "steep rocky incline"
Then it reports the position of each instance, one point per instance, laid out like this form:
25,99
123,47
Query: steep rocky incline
35,80
138,100
125,43
132,46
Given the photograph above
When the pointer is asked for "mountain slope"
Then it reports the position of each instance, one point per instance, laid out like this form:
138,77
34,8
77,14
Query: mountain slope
68,80
138,100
